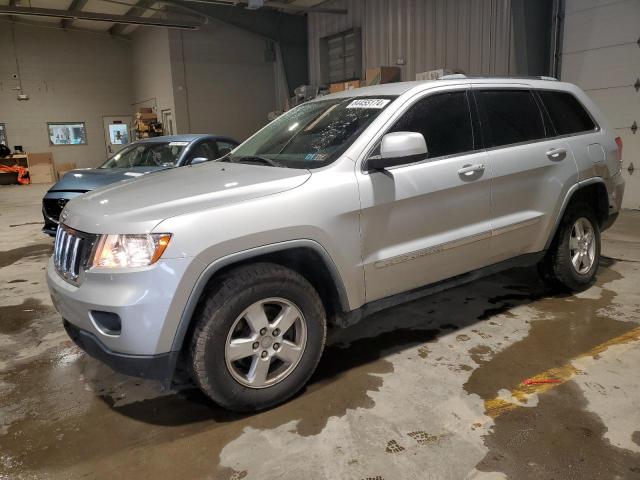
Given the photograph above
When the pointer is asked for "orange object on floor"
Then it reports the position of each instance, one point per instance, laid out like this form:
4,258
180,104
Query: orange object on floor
23,173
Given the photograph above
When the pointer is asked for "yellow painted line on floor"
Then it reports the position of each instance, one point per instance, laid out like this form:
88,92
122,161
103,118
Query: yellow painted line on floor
497,406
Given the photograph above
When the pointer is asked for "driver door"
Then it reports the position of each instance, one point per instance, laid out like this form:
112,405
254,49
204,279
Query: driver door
428,221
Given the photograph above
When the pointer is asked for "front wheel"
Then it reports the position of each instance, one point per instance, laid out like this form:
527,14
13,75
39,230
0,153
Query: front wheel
259,336
574,255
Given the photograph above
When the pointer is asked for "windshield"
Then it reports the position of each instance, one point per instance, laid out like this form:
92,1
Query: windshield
164,154
311,135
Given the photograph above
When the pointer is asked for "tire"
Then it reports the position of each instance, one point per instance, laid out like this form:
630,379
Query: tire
558,268
232,315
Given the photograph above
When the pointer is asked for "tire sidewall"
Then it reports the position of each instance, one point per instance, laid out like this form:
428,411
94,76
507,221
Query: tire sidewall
575,214
220,384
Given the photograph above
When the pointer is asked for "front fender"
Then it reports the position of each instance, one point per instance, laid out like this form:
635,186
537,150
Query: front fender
210,270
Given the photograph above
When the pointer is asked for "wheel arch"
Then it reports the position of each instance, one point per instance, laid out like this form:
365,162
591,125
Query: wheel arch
305,256
592,191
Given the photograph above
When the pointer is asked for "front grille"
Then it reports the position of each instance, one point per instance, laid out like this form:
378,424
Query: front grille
53,206
72,252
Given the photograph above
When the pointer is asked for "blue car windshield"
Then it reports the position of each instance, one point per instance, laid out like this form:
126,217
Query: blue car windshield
311,135
157,154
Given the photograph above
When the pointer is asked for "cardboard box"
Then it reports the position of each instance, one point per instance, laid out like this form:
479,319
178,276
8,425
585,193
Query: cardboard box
147,117
342,86
433,74
44,158
41,173
376,76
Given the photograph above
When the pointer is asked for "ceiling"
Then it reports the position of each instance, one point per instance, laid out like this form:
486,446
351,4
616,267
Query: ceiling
131,9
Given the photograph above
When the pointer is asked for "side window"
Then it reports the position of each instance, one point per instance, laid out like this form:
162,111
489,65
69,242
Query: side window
510,116
567,113
444,119
206,149
224,148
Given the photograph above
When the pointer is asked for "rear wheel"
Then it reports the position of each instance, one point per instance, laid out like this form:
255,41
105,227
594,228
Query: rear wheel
259,336
574,255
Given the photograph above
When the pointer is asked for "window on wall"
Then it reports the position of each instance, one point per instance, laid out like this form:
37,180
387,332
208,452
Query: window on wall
444,120
512,116
68,133
341,56
3,135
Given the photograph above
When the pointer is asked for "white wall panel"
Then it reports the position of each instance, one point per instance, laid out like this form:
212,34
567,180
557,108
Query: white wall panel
601,55
602,68
609,25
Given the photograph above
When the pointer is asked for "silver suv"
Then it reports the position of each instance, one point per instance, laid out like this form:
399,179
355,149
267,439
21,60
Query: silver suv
343,206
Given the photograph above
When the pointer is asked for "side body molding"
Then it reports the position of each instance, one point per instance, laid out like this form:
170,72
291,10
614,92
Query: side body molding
565,202
211,269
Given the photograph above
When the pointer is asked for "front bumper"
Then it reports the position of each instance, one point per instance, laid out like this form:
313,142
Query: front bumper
148,302
156,367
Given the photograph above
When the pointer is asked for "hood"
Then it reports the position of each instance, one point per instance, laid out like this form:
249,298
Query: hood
89,179
138,206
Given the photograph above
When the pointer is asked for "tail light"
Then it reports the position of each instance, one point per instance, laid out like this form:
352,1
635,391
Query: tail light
619,144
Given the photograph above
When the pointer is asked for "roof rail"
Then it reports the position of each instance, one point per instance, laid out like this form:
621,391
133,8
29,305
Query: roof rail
454,76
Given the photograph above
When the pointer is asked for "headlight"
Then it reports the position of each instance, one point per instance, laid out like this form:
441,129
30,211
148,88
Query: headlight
118,251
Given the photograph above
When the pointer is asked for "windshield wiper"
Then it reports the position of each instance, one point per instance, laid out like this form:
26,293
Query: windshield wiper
252,159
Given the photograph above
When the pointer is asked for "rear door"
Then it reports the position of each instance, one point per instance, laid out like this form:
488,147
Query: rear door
532,171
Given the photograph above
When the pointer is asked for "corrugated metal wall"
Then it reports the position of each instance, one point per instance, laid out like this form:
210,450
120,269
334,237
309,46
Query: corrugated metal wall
472,35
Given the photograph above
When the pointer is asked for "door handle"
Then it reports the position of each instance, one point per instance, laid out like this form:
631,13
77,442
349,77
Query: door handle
557,153
469,170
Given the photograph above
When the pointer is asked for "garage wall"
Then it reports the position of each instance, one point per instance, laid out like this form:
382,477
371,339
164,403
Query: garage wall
601,54
475,36
69,77
151,69
221,81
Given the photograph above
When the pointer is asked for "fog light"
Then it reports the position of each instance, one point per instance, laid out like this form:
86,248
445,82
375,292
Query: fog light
107,322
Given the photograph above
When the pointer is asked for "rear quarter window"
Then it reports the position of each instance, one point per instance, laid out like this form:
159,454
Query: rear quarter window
510,116
567,114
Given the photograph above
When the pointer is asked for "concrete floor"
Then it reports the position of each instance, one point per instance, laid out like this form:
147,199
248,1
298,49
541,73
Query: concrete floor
432,389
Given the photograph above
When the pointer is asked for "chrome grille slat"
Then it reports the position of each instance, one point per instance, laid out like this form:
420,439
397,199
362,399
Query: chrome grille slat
70,253
74,259
65,259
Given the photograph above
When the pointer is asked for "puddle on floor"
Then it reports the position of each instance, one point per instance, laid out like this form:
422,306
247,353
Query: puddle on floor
87,427
16,318
557,438
9,257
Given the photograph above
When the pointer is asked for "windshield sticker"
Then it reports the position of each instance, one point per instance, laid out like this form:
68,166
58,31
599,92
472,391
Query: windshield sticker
178,144
376,103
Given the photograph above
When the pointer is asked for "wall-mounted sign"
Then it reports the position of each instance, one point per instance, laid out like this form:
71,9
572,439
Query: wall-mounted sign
67,133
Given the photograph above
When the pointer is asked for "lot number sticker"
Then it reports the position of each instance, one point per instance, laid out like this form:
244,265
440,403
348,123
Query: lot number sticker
369,103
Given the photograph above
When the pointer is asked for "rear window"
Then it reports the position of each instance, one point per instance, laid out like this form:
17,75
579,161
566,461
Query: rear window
567,113
510,116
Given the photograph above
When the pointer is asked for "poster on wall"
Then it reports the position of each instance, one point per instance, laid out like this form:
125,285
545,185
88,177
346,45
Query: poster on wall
118,133
3,135
67,133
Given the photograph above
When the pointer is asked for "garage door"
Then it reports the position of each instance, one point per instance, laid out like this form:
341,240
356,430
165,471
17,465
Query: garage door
601,54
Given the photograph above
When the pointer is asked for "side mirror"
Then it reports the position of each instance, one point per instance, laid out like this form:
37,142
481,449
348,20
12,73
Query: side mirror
198,160
399,148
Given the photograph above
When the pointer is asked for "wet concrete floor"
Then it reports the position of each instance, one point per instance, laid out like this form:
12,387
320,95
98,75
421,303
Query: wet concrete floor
500,378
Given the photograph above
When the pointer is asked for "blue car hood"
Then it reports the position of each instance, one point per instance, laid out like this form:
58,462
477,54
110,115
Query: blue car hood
84,180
